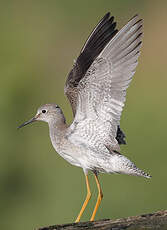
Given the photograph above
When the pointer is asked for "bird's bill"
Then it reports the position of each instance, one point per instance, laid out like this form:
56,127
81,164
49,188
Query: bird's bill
27,122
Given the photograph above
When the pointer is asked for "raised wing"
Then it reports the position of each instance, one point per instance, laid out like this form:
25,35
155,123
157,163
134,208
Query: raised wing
95,43
102,91
98,39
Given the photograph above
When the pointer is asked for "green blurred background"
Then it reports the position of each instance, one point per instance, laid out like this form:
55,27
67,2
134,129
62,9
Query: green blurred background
38,42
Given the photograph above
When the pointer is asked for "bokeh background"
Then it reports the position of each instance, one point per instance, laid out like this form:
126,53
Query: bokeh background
38,42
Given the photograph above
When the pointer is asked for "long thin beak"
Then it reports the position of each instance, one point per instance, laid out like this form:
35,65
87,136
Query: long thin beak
27,122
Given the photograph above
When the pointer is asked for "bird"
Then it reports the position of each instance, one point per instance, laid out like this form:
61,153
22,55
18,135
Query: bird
96,89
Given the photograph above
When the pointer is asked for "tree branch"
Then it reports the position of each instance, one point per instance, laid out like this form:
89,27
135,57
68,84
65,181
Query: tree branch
152,221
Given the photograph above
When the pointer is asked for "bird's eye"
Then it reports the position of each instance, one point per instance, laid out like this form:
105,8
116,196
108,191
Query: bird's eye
43,111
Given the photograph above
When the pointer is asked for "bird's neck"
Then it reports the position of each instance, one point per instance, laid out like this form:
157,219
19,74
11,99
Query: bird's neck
57,129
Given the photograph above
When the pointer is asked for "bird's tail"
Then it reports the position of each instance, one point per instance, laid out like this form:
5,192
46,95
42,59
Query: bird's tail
138,172
121,164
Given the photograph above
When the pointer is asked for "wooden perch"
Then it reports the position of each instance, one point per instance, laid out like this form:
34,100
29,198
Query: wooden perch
152,221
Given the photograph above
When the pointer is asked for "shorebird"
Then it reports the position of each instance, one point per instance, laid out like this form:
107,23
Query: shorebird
96,88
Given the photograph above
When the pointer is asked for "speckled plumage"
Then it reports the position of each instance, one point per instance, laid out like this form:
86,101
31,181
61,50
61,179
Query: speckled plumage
96,88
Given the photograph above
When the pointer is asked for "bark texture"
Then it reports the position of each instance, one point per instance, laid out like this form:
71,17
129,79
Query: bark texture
152,221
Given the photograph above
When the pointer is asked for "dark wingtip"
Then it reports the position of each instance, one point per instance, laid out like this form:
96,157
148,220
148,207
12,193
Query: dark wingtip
107,15
136,15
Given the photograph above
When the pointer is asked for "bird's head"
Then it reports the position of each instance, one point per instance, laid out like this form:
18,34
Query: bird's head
47,113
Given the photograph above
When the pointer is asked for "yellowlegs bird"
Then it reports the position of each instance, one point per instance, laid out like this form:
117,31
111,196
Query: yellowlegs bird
96,88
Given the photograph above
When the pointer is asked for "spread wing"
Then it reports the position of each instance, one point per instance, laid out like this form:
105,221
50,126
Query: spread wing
98,39
95,43
101,92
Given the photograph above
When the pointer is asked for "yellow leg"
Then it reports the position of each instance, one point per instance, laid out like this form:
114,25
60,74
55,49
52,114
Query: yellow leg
86,200
99,198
